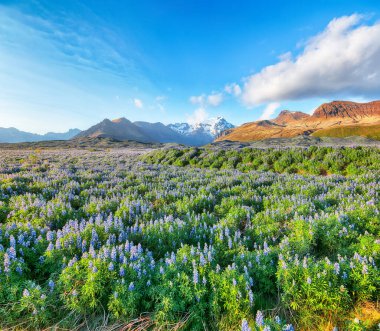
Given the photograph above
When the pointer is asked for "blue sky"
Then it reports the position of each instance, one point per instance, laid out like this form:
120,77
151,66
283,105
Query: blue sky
66,64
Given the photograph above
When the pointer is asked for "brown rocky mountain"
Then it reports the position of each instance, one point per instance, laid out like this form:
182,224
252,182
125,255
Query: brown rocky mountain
344,109
334,119
287,116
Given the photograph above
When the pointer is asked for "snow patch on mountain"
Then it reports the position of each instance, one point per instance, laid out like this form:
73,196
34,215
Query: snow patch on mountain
212,127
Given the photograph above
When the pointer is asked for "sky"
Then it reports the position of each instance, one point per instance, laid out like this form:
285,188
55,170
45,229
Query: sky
70,64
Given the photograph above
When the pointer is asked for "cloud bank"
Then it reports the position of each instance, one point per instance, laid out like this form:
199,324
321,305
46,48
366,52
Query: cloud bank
344,59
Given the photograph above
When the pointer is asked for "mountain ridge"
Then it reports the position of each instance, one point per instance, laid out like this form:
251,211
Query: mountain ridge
14,135
327,117
122,129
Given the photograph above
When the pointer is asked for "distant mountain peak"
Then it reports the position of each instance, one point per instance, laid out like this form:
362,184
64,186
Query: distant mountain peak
13,135
121,120
212,127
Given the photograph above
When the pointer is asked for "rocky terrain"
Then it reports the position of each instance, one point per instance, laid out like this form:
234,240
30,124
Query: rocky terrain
334,119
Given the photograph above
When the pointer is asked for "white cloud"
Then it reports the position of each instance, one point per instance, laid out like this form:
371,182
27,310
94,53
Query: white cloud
269,111
138,103
161,98
233,89
215,99
160,102
198,100
199,115
342,60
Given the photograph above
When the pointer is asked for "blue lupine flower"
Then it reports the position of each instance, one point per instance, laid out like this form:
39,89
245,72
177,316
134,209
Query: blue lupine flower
131,286
19,270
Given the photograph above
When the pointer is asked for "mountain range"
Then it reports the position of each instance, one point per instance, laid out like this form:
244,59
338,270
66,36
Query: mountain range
122,129
13,135
334,119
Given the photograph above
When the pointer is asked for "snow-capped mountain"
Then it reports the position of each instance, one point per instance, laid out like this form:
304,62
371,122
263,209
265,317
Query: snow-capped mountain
195,134
212,127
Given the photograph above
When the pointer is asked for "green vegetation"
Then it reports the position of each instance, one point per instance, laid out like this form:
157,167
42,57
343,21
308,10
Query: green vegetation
369,131
312,160
103,241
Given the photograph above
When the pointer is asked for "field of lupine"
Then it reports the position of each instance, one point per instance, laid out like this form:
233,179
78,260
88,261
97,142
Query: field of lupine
93,240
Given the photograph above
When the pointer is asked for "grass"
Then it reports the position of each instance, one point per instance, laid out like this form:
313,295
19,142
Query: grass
370,131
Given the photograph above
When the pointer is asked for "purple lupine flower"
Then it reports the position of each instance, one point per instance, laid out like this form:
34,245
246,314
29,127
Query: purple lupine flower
131,286
259,318
308,280
113,254
49,236
12,253
195,275
7,263
25,293
245,326
51,284
202,260
250,297
336,268
12,241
